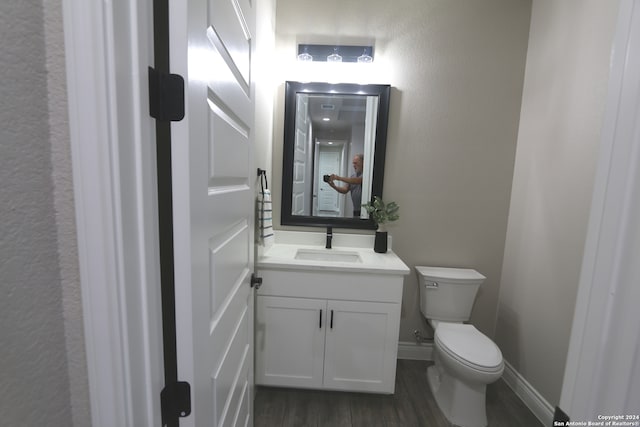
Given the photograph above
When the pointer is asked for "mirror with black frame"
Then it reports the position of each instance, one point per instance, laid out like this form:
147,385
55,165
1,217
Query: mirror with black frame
334,151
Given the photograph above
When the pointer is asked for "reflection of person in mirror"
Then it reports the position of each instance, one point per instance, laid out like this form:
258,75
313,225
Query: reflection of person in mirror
354,184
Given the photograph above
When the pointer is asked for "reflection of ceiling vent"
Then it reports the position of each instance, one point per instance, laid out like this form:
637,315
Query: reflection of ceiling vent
327,107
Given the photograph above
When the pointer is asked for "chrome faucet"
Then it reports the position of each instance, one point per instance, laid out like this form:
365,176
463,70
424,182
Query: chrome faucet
329,237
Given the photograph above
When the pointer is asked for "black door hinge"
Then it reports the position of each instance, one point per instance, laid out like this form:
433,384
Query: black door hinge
175,402
256,281
166,96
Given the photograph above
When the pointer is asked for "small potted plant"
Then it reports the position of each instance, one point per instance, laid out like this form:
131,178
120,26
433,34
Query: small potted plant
381,213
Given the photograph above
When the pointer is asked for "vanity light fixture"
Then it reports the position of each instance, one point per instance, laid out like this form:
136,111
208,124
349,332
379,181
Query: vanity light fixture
335,53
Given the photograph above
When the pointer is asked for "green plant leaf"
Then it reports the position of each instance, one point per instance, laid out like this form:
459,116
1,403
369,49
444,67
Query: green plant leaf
380,212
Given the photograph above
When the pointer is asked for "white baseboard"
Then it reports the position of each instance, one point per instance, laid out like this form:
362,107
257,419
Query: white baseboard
415,351
529,395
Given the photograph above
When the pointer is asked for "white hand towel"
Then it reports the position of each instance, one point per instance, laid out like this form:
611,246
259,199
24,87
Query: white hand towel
265,218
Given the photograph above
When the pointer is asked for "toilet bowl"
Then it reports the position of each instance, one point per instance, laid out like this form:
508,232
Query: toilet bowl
465,359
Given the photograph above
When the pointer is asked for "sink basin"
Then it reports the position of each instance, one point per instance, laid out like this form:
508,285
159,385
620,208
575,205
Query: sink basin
327,255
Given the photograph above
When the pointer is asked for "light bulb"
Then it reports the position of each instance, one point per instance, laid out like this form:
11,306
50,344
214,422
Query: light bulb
304,56
365,58
334,57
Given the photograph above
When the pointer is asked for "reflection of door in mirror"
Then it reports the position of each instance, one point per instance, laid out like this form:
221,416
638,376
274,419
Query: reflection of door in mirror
371,121
329,160
301,185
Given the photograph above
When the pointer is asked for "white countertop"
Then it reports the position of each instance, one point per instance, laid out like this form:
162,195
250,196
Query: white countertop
282,255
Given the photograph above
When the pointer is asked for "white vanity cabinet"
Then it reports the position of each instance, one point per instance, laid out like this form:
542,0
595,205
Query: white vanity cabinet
328,329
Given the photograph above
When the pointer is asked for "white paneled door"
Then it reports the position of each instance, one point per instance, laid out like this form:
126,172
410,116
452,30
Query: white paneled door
329,161
301,174
211,44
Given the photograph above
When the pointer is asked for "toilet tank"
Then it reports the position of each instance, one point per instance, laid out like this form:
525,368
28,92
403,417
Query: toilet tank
447,294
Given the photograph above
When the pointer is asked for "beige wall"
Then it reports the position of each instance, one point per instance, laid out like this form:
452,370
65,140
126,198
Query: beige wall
560,123
42,359
64,207
456,69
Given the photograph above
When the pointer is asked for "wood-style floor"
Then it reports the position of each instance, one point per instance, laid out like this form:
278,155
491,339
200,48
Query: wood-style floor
412,405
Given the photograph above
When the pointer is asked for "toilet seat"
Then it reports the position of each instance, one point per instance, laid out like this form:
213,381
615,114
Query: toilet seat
468,346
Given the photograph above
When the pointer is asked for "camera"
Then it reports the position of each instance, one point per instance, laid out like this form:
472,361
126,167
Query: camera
326,178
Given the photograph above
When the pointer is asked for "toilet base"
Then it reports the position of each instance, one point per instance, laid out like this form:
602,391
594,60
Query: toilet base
461,403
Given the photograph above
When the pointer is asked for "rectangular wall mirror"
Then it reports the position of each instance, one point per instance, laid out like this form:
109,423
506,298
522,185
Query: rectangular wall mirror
334,149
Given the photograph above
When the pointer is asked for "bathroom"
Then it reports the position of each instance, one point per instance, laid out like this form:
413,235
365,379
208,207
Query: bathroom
495,123
478,148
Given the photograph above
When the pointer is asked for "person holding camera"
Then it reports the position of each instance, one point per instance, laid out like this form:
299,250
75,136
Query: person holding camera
353,183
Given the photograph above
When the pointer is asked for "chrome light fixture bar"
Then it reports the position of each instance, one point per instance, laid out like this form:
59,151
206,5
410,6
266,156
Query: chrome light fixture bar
335,53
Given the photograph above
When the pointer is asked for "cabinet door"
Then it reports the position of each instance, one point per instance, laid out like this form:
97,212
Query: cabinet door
361,346
290,341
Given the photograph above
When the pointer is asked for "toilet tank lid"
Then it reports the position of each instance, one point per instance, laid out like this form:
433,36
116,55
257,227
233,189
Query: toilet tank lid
446,273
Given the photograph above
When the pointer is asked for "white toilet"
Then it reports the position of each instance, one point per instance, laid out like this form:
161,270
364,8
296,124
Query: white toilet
466,360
